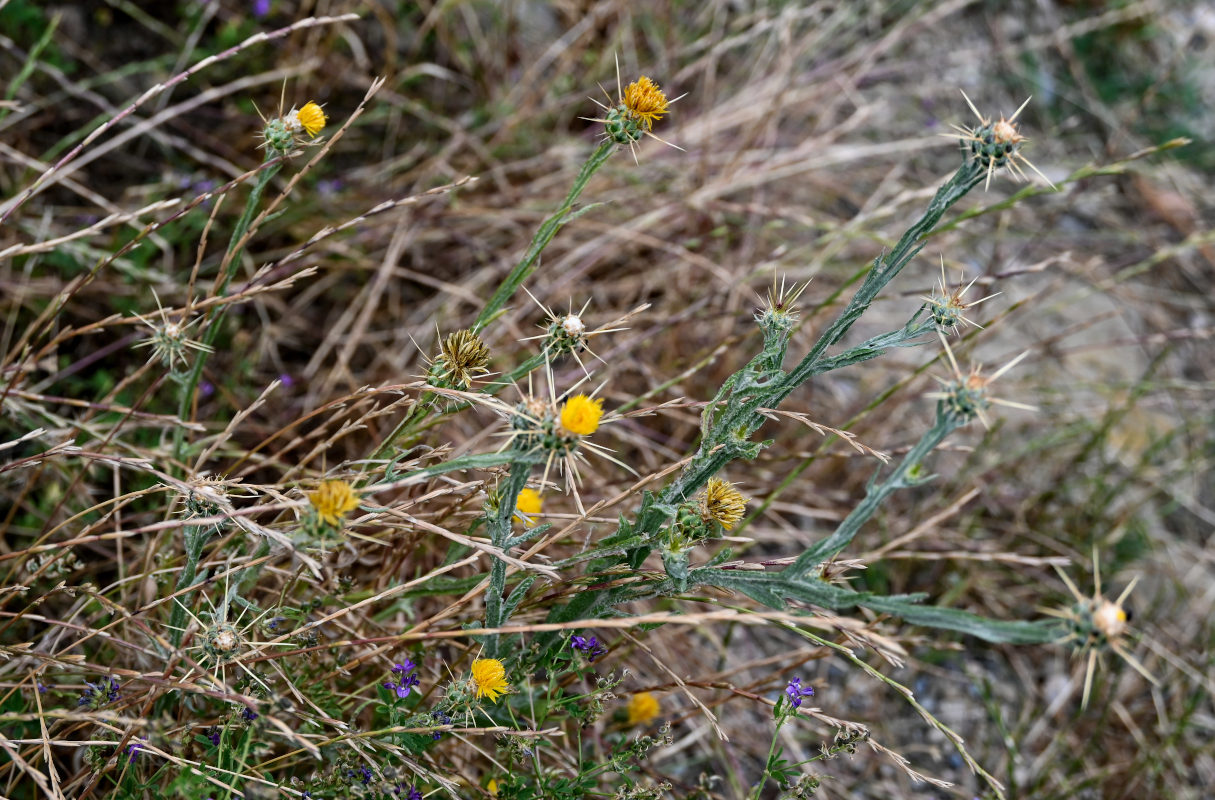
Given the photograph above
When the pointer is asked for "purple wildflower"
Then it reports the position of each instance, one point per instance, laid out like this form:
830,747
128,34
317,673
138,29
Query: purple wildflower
414,794
135,748
442,718
406,679
589,646
248,715
797,692
100,693
261,8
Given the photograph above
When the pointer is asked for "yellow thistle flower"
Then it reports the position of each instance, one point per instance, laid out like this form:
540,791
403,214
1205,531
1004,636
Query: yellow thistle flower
312,118
489,676
580,415
645,101
643,707
722,502
332,500
529,501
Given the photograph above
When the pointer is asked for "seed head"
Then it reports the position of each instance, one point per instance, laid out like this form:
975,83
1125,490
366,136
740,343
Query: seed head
170,341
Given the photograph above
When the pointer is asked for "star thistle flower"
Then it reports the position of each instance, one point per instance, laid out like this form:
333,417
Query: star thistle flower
995,145
489,678
580,415
723,503
797,693
528,503
966,396
643,707
332,500
645,102
636,109
1096,624
311,118
283,133
946,307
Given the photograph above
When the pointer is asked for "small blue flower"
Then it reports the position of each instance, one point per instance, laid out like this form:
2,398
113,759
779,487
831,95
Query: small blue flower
135,748
797,692
443,719
261,8
100,693
588,646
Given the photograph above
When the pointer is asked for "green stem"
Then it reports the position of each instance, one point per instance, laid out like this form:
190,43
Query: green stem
543,236
196,537
500,525
901,478
215,317
763,779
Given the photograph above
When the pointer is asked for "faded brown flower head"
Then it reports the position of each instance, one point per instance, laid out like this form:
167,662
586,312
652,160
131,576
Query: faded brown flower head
462,357
723,503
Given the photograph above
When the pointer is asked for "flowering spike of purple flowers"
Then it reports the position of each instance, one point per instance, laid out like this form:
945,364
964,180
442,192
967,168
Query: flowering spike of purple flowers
100,693
797,692
135,748
414,794
588,646
406,679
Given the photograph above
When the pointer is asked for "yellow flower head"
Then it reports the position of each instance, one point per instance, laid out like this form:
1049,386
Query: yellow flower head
312,118
492,787
645,101
580,415
722,502
643,707
489,676
529,501
332,500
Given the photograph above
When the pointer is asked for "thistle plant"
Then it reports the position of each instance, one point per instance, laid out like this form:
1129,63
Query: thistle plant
490,569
